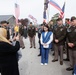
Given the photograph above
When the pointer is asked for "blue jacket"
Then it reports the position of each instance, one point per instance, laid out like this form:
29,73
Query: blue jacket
47,38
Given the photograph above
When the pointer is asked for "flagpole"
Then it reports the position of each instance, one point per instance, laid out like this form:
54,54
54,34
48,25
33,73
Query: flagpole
44,10
48,11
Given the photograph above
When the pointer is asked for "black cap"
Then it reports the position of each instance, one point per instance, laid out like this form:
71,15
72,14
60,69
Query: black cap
30,22
2,22
67,19
73,18
41,25
59,19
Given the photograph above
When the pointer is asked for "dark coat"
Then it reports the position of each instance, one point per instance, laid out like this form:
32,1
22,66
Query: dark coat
31,31
60,34
21,30
71,36
8,58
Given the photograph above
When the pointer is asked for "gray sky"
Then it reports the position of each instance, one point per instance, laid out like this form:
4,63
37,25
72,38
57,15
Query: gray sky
35,8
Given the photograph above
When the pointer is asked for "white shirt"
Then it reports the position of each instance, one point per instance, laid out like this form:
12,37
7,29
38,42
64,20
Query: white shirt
51,38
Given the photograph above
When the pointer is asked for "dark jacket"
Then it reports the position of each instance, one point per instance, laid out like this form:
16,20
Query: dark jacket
71,36
21,30
60,34
31,31
8,53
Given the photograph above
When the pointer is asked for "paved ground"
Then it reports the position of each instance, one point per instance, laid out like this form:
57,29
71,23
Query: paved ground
30,63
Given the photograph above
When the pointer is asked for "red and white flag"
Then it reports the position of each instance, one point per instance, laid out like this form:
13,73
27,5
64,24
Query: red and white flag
34,19
17,12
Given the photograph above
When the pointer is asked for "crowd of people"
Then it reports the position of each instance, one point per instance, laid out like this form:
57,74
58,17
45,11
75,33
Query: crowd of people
64,41
59,38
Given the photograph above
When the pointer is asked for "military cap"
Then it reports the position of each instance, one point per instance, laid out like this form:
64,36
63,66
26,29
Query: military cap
59,19
73,18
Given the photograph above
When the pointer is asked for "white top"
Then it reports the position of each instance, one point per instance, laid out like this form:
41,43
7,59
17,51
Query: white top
51,38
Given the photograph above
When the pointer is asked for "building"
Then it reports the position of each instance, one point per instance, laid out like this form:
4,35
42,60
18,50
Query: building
9,18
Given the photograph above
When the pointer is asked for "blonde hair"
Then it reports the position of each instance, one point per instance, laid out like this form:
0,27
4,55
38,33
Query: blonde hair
3,35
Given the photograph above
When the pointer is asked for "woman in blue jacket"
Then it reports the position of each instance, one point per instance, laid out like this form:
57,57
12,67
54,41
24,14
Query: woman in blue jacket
46,39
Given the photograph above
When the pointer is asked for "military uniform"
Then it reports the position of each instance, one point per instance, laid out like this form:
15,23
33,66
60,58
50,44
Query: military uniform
71,38
59,34
31,34
21,33
66,45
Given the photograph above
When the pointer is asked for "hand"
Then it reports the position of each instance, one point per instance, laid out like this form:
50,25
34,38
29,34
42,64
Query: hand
45,44
71,45
14,38
56,40
17,38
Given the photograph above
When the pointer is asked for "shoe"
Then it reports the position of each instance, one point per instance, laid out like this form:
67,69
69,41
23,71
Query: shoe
66,59
61,62
35,47
23,47
69,68
53,54
45,63
31,47
39,55
54,60
42,64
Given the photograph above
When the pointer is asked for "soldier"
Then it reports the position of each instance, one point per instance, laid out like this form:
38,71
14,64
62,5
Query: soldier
67,25
71,41
21,33
67,22
51,24
40,30
32,34
59,40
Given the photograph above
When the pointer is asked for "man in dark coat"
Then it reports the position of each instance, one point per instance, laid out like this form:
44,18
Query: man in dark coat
59,40
32,34
40,30
71,41
21,33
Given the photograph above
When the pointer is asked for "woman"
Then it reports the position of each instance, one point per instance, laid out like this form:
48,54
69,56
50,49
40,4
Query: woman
46,39
8,52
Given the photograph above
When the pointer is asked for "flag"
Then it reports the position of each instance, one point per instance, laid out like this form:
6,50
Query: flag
55,5
17,12
34,19
44,16
62,12
45,10
46,4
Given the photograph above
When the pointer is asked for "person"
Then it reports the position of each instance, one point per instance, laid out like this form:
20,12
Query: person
21,33
8,52
16,30
59,40
71,41
25,32
67,22
67,25
46,39
4,24
32,34
51,24
40,30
